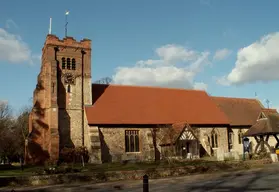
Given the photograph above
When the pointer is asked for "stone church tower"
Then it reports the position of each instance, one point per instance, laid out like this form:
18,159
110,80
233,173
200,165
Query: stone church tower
63,89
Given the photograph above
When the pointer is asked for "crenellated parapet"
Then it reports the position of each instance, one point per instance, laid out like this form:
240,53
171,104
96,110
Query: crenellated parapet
67,41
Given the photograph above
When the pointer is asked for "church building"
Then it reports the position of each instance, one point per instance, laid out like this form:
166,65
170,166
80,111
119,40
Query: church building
119,122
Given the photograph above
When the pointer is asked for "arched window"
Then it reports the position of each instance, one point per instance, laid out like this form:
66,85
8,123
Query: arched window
69,88
63,63
73,64
68,63
132,141
231,139
214,139
240,134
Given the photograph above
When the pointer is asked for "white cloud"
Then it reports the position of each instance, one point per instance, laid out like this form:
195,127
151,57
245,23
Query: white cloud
222,54
222,81
176,67
256,62
200,86
13,49
10,24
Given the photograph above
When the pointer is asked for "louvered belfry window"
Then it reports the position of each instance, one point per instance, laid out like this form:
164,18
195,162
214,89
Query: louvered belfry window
63,63
68,63
73,64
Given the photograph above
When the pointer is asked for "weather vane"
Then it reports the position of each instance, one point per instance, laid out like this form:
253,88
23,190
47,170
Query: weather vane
267,103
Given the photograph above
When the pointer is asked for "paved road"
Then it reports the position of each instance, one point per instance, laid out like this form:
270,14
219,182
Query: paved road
251,180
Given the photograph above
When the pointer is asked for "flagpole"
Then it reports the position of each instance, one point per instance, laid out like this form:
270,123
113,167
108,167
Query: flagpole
66,22
49,30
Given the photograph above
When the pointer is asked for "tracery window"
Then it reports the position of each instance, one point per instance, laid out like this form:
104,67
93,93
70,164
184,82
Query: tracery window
132,141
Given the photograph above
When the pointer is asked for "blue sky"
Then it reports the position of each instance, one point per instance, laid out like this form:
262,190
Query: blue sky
202,44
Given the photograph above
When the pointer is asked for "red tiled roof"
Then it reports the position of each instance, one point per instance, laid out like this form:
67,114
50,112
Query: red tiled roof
240,111
118,104
265,126
269,111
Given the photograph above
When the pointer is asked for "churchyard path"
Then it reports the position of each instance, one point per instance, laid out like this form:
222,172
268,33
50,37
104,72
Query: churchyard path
261,179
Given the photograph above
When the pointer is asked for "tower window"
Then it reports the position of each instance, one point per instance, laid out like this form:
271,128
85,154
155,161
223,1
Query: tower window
73,64
53,86
63,63
69,88
68,63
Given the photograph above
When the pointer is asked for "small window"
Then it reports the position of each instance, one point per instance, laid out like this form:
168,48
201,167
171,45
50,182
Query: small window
214,139
132,141
231,139
63,63
69,88
53,87
68,63
73,64
240,134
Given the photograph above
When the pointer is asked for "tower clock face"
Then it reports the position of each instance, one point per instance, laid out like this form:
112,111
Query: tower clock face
69,78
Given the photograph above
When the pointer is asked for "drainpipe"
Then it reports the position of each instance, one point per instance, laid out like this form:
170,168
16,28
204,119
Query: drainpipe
82,95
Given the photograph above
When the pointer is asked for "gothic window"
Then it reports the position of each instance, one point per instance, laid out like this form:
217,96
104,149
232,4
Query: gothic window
231,139
69,88
132,141
73,64
240,134
68,63
214,139
63,63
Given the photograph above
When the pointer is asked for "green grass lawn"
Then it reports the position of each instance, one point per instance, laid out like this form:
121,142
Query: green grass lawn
35,170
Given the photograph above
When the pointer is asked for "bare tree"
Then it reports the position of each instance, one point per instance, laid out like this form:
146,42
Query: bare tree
22,129
6,124
5,114
13,131
105,80
169,139
165,136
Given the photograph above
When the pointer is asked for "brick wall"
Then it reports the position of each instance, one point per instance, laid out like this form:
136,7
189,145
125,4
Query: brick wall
59,122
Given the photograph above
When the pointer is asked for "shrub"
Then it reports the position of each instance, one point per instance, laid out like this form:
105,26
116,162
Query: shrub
229,158
60,170
260,155
74,155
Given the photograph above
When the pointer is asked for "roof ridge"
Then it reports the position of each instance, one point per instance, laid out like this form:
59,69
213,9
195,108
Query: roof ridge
151,87
269,109
242,98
